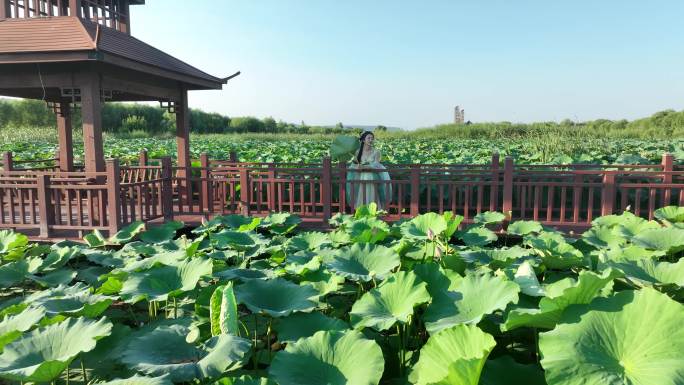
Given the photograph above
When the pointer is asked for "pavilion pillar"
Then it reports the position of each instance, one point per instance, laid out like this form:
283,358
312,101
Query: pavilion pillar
66,144
91,113
4,9
75,8
183,147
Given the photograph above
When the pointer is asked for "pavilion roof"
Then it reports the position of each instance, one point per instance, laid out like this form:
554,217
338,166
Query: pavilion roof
66,35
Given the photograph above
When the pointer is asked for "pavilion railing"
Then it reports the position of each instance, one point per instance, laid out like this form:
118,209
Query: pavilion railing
569,196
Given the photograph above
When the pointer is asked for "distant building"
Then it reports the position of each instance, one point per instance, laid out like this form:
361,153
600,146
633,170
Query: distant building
459,115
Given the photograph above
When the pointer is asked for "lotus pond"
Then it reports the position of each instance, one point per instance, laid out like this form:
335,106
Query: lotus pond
427,301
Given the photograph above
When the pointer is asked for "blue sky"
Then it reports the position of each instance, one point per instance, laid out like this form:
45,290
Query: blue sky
408,63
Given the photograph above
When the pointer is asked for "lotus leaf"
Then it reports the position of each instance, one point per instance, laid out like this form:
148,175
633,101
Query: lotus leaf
453,356
489,217
496,258
368,230
76,300
331,358
127,234
158,283
54,278
476,296
524,227
237,240
452,221
391,302
671,214
223,311
614,220
140,380
323,280
364,261
632,337
343,148
648,270
12,326
632,228
276,297
245,380
309,241
438,280
526,278
555,252
589,285
301,325
424,227
477,236
164,350
668,239
11,242
280,223
243,274
603,237
162,233
13,273
44,353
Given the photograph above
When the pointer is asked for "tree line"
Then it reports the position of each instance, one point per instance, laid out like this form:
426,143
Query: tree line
125,118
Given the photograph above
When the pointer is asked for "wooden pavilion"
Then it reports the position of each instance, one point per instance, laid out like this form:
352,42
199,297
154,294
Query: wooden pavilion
80,53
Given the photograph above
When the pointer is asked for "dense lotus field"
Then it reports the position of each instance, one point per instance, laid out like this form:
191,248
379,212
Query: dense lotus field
394,150
255,301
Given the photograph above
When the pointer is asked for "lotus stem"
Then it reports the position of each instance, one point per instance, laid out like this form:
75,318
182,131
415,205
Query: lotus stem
175,308
67,375
85,375
425,252
166,308
536,345
268,338
256,358
135,319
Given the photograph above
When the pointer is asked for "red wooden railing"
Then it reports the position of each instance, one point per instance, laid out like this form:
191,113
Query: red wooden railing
559,195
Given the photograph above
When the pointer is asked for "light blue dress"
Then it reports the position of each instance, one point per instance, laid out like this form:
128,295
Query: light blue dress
360,193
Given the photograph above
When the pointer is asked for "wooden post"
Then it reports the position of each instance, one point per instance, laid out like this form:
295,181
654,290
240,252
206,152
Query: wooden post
415,190
494,191
91,113
114,196
233,157
125,23
66,144
75,8
608,195
167,188
7,162
508,188
206,200
343,187
666,194
271,188
244,190
326,189
142,158
183,147
45,209
5,11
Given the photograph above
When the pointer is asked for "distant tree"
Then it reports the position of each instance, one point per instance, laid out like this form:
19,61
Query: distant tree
339,126
381,128
270,125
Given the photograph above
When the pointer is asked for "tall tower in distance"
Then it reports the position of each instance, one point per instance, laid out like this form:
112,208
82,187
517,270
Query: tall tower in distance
459,115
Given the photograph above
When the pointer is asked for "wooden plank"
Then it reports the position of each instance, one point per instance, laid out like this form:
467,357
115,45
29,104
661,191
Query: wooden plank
45,206
91,113
64,130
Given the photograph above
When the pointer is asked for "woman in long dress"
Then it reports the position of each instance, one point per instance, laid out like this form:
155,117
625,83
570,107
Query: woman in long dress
362,193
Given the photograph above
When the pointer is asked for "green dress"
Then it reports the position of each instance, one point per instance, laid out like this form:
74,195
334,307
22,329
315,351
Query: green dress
360,193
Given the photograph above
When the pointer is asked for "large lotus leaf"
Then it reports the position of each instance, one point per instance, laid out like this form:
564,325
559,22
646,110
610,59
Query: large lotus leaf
158,283
633,337
438,280
632,228
424,227
43,354
489,217
164,350
364,261
667,239
140,380
476,296
301,325
496,258
58,258
524,227
245,380
95,239
331,358
505,371
628,253
12,325
452,221
526,278
127,234
243,274
322,280
13,273
671,214
477,236
162,233
368,230
603,237
391,302
556,254
276,297
76,300
614,220
238,240
453,356
343,148
302,262
309,241
223,311
648,270
62,276
280,223
12,243
233,221
589,285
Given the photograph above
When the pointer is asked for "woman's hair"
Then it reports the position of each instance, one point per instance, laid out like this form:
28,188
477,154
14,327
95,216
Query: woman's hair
361,139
